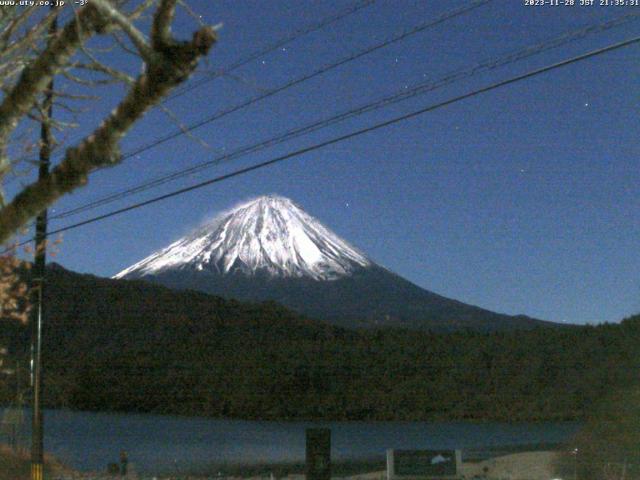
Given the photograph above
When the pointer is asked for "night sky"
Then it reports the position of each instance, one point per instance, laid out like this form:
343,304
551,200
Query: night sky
520,200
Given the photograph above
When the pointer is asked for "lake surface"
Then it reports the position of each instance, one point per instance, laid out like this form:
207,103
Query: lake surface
162,444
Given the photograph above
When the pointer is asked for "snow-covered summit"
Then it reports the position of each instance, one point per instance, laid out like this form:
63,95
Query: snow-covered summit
268,234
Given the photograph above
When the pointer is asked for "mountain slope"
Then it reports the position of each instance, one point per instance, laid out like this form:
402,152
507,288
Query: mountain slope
369,298
270,249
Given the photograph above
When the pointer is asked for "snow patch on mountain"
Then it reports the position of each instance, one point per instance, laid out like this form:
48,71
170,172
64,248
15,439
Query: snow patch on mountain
267,234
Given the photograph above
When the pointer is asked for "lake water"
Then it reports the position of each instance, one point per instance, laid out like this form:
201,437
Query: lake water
160,444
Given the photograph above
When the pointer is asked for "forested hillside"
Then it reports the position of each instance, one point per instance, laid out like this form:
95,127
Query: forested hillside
132,346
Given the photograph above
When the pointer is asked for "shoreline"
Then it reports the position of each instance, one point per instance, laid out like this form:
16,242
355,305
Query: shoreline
539,465
517,465
189,416
316,420
474,460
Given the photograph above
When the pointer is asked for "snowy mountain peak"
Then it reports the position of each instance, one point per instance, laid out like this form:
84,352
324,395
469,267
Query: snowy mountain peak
269,234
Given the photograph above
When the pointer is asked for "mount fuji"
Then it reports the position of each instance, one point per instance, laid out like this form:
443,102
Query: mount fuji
268,235
270,249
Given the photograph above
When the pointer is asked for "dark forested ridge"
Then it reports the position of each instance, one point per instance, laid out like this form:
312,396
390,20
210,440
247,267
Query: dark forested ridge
133,346
371,297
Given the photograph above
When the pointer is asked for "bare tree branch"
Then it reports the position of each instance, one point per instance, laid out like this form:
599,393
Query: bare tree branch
122,44
36,76
172,63
185,130
87,82
28,39
97,66
13,25
192,14
74,96
136,36
140,9
161,28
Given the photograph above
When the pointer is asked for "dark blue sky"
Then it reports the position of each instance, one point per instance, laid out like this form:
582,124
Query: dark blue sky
521,200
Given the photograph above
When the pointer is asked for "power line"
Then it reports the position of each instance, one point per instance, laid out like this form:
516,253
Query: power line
273,47
270,48
269,93
401,95
342,138
350,58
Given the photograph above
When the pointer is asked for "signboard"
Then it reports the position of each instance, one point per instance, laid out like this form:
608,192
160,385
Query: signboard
318,458
422,463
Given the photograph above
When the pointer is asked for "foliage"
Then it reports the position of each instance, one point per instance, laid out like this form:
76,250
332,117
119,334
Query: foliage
14,301
607,447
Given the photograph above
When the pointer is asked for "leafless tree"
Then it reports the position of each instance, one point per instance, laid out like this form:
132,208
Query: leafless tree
32,54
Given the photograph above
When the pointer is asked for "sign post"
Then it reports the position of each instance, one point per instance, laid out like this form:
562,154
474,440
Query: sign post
318,454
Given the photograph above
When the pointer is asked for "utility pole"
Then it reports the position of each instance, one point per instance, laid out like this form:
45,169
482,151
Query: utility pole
37,444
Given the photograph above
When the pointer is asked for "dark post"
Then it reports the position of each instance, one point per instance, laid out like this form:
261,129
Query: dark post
318,454
37,447
19,406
